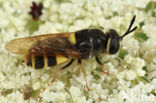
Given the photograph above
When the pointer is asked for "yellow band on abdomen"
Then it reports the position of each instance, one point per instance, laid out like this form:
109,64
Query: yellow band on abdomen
61,59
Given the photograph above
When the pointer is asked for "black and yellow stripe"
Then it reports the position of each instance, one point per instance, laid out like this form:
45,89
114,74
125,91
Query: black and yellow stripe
40,62
44,61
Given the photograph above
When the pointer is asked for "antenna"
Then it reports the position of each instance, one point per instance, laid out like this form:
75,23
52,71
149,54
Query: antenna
129,31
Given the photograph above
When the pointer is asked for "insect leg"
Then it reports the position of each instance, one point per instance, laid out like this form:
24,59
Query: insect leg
84,73
98,61
101,65
72,60
56,74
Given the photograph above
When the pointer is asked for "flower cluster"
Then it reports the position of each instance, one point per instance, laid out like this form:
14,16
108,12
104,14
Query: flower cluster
132,71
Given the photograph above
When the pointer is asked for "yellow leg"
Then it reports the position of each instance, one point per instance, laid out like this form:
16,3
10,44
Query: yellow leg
101,65
53,80
101,68
83,71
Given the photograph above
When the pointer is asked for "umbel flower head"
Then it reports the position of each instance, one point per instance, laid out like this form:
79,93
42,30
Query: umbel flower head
36,10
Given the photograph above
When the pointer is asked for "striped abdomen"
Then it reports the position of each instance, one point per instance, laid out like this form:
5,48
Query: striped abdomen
39,62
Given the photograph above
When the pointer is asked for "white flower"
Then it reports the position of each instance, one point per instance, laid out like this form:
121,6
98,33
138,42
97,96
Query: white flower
121,75
140,72
128,59
44,77
137,63
130,75
70,16
2,77
131,45
36,85
75,91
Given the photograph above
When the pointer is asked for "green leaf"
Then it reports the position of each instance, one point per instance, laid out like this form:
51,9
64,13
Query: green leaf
153,14
115,13
32,94
134,82
108,17
140,55
95,76
86,93
140,36
97,69
33,25
62,1
110,91
153,92
144,79
122,53
67,79
6,92
150,6
141,23
145,68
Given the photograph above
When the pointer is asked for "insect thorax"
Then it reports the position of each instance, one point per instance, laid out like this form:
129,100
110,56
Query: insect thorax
90,42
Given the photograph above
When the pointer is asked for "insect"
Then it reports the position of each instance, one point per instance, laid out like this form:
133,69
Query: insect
52,49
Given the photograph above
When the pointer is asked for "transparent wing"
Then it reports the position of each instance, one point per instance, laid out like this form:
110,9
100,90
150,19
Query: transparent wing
22,45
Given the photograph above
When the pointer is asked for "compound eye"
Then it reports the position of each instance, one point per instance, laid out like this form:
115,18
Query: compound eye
114,46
